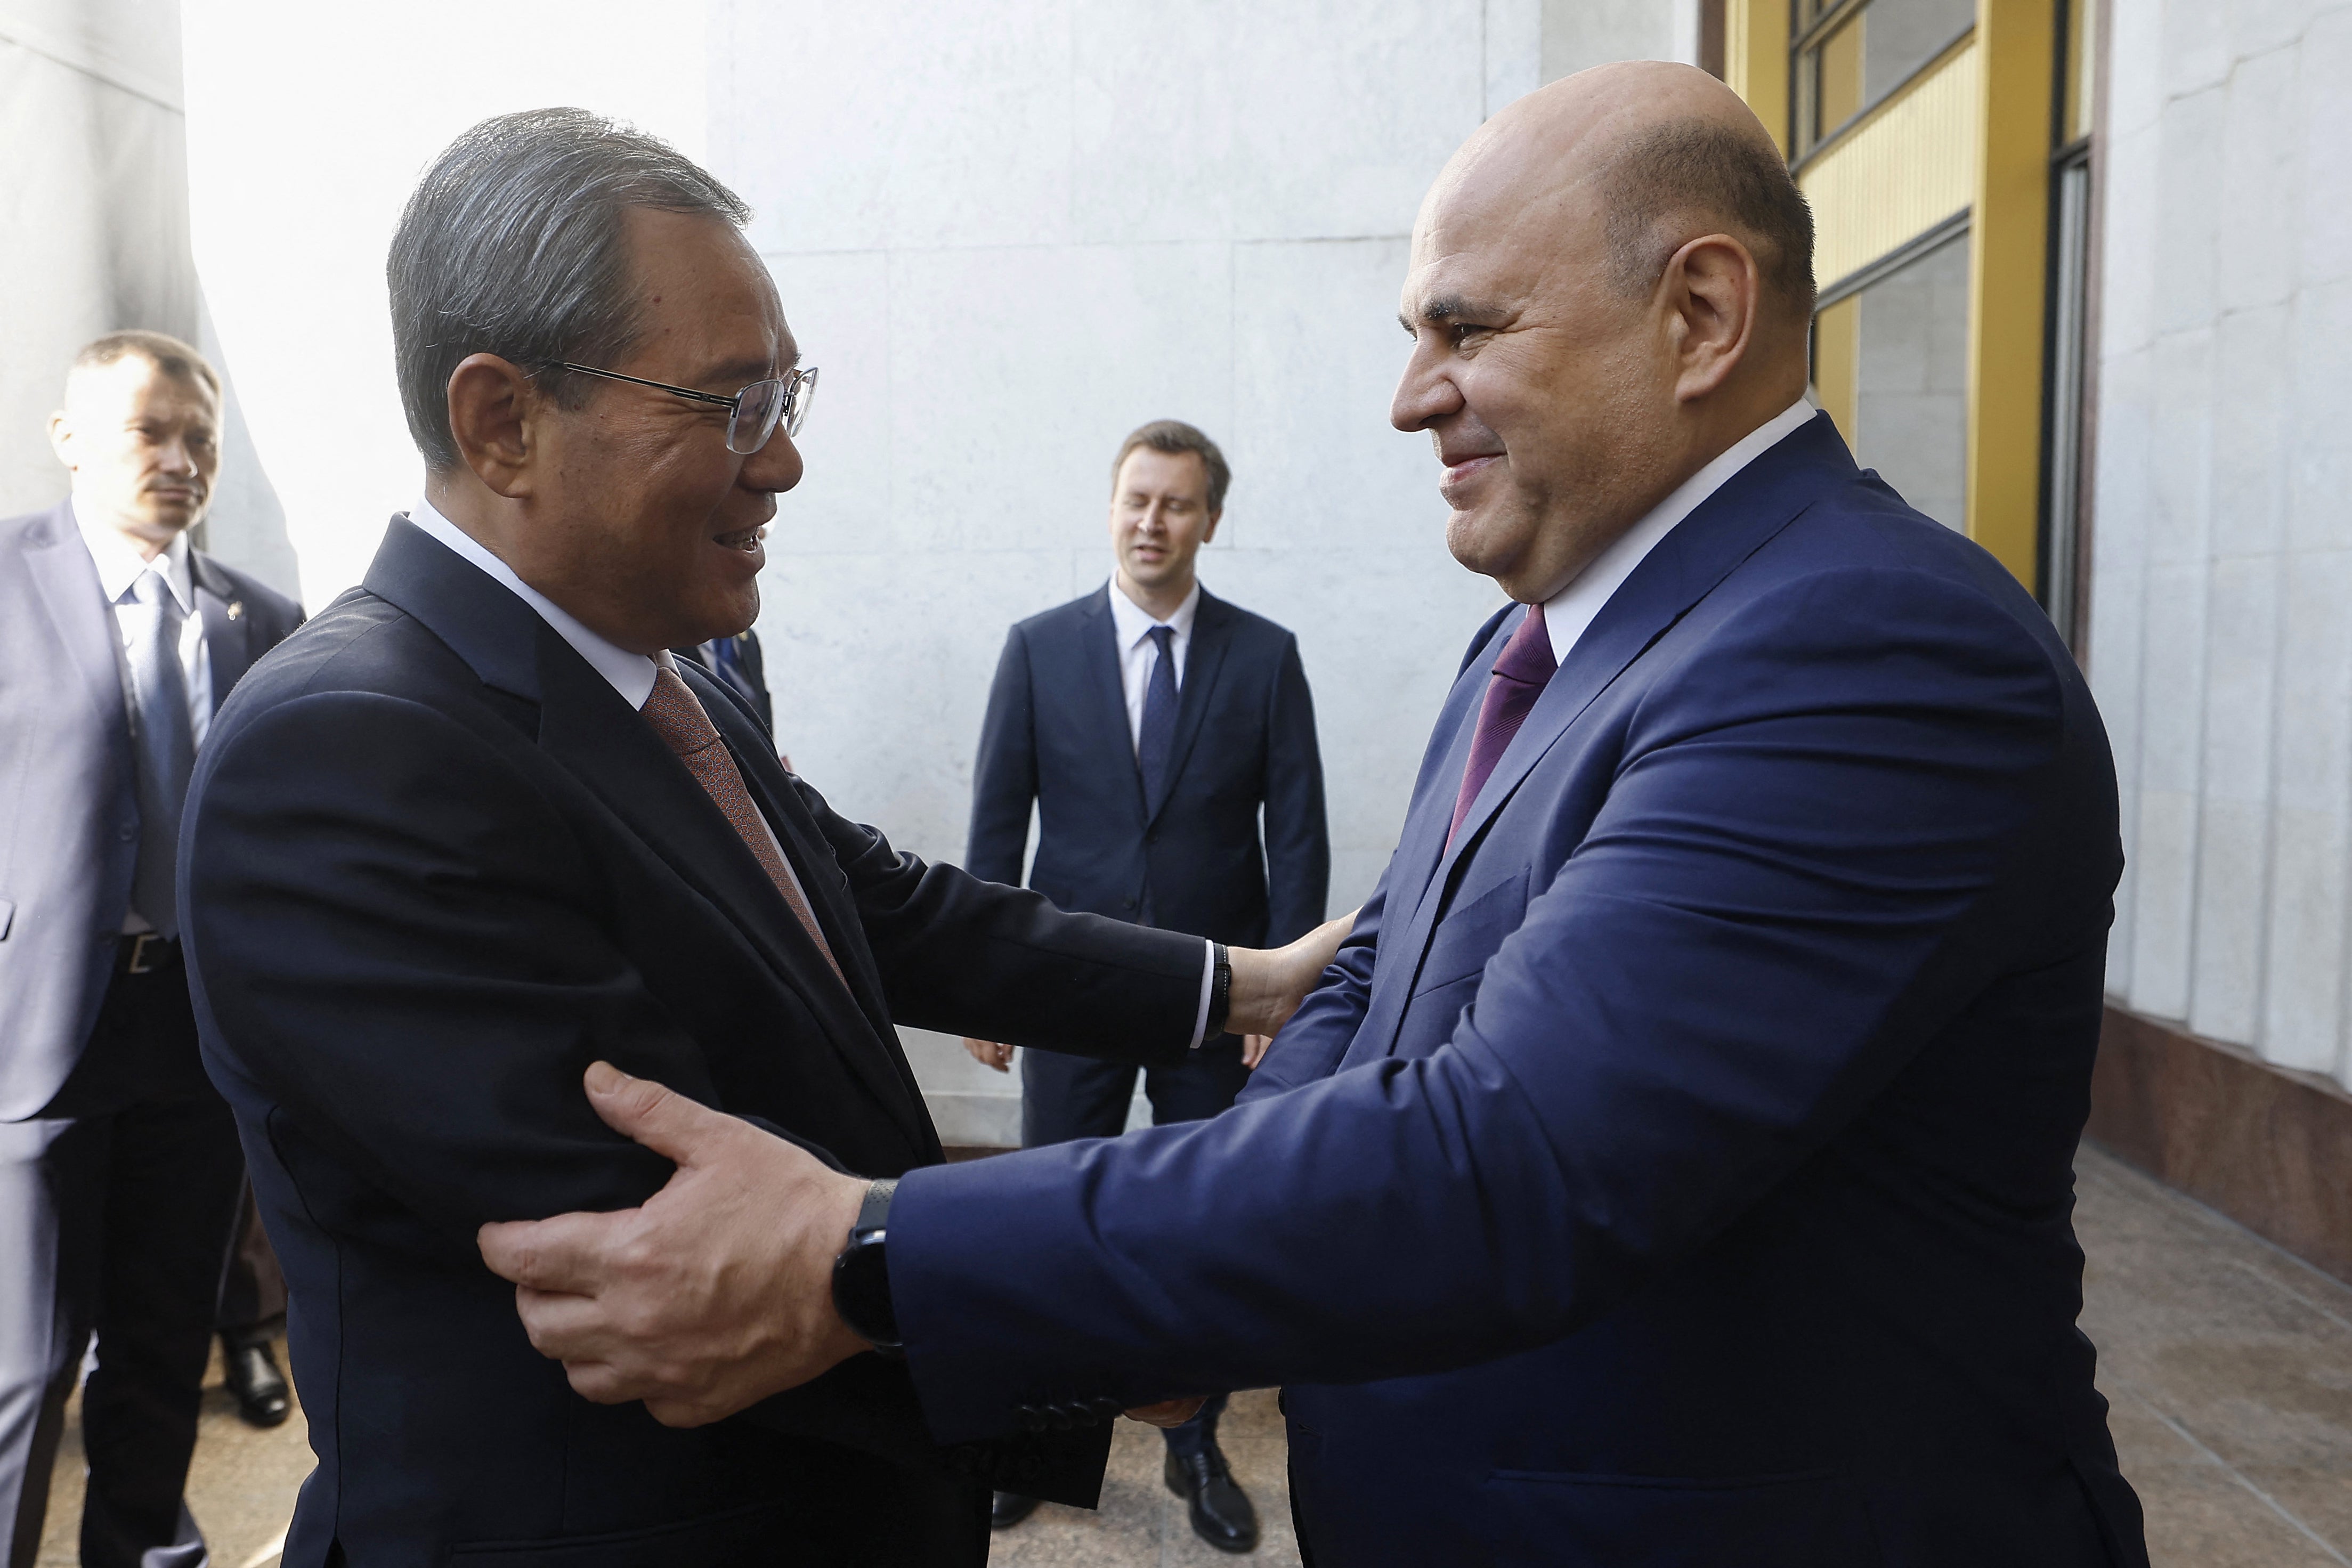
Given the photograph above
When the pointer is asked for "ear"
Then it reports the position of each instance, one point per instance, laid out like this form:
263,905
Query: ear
62,437
1712,289
1211,532
493,406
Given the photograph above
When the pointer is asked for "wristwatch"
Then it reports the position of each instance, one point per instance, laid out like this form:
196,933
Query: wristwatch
861,1275
1221,993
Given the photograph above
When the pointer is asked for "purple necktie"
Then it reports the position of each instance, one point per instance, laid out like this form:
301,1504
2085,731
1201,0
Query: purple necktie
1520,676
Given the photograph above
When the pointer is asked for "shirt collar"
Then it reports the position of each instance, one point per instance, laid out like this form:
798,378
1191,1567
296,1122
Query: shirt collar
1568,612
631,674
1133,622
120,564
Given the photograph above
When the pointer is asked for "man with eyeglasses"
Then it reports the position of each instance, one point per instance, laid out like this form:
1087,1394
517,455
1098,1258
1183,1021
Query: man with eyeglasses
476,834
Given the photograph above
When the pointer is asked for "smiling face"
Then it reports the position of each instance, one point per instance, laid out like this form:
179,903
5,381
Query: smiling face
1589,325
1160,518
144,445
637,518
1540,380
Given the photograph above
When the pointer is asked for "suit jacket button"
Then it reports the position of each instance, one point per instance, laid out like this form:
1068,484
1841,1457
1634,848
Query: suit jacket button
1032,1466
1127,904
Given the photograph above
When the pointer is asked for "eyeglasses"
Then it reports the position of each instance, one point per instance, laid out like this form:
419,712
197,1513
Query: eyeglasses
754,414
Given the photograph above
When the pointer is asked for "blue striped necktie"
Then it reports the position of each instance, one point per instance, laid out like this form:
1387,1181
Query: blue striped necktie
166,749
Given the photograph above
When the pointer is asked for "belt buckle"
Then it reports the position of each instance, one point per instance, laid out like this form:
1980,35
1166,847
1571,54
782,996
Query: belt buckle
140,964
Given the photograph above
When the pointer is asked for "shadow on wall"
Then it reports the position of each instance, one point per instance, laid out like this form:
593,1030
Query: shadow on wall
247,525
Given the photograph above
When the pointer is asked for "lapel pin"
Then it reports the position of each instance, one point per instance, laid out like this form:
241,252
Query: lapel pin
236,609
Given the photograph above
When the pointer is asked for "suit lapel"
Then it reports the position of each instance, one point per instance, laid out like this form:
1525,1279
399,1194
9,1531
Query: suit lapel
228,626
1212,633
586,728
868,1039
1720,533
1099,633
584,724
66,581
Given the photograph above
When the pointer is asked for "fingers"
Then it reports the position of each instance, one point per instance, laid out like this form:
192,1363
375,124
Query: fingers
570,1253
1253,1048
645,1112
989,1053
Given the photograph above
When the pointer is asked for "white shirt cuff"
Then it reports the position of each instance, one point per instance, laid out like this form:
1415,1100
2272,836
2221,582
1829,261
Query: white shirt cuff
1208,986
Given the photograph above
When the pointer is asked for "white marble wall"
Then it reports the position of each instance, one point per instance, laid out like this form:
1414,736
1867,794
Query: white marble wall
2221,634
94,184
1008,236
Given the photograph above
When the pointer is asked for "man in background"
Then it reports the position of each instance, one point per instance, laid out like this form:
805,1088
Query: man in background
1149,722
120,1170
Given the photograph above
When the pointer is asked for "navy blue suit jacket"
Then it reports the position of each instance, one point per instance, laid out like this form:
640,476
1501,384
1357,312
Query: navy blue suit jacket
433,866
1056,734
1677,1169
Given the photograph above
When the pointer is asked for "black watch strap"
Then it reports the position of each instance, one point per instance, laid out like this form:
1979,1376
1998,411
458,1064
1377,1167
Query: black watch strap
874,1214
1221,993
861,1275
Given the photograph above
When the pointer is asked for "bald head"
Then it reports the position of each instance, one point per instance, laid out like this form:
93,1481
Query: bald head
1652,155
1610,284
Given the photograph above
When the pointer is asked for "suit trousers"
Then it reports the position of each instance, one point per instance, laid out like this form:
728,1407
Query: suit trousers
119,1202
1069,1097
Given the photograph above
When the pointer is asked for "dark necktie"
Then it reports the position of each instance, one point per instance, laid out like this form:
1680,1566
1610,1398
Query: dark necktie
1525,668
166,751
677,717
1156,738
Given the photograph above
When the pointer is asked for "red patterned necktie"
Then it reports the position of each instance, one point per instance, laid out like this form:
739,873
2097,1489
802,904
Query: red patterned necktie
677,717
1525,668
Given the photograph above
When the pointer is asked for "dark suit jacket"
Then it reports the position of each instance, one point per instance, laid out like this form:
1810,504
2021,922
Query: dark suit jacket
68,797
1056,734
1677,1169
433,867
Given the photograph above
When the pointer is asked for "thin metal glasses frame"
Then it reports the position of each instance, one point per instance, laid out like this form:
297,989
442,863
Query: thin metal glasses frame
796,389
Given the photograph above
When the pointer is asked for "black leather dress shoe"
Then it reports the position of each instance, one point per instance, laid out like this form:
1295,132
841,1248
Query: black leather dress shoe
262,1397
1008,1508
1222,1514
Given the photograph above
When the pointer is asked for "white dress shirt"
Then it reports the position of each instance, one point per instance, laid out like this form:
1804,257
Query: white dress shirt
1131,627
120,567
1568,612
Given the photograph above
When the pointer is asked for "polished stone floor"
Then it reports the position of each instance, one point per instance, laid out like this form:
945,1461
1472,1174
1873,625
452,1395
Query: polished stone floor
2229,1366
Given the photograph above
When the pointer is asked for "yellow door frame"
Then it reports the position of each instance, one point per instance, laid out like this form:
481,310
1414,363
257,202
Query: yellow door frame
2001,162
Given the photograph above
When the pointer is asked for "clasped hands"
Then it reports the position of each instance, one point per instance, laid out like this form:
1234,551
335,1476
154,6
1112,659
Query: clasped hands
718,1291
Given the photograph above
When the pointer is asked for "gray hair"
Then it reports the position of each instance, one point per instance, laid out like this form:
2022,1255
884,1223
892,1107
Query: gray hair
513,244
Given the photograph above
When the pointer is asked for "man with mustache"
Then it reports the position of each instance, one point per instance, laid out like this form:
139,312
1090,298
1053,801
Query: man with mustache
120,1172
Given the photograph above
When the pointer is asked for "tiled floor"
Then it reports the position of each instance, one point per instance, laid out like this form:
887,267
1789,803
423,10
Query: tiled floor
2229,1366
